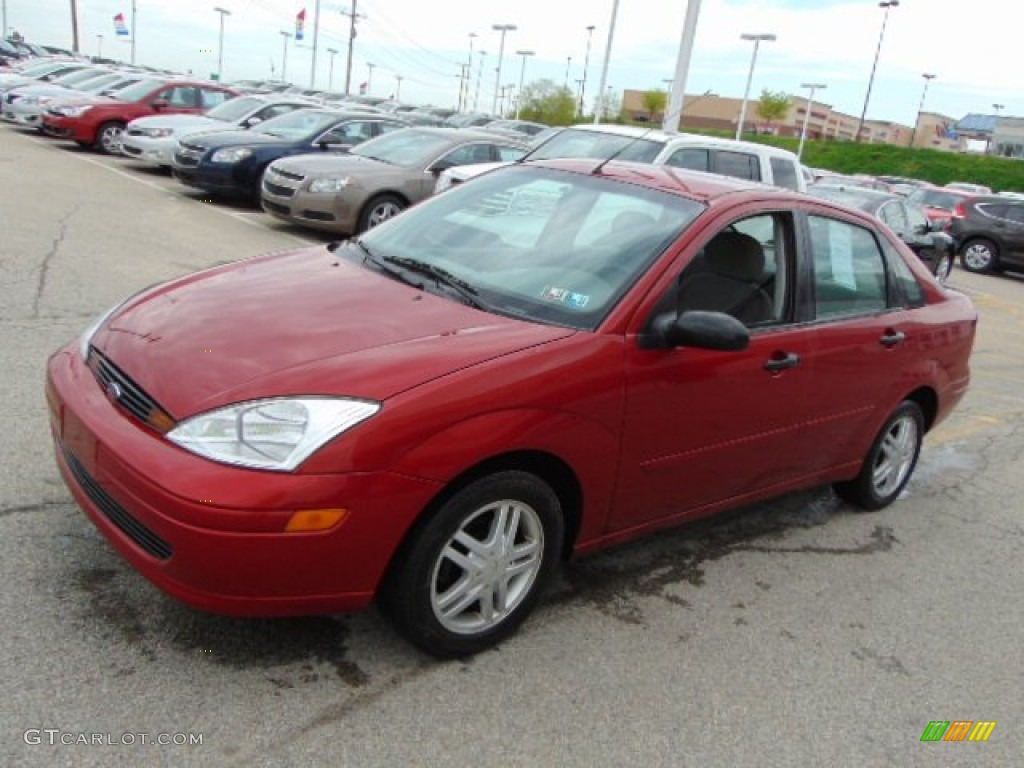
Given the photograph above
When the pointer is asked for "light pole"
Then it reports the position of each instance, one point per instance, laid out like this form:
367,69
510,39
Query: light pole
750,76
586,62
677,86
807,114
398,88
369,77
522,76
997,107
99,46
330,68
479,75
886,4
464,100
220,45
607,58
568,65
284,58
503,28
920,108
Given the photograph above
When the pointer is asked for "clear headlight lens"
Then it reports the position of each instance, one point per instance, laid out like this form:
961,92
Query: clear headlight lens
75,111
158,133
328,185
230,155
276,434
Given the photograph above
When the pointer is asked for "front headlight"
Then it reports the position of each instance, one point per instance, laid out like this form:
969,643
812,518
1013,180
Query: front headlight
74,111
276,434
328,185
230,155
158,133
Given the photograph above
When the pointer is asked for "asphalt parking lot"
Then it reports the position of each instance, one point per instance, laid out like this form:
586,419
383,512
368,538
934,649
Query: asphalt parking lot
792,633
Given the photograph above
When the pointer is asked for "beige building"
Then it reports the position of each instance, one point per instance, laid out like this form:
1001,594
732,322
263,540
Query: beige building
713,112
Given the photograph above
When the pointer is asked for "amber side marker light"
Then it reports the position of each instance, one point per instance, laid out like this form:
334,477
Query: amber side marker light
315,519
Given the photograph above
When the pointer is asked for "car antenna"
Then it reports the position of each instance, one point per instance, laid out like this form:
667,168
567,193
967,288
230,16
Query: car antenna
630,143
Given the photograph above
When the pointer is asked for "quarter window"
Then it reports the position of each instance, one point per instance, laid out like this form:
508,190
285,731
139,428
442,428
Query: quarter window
738,164
693,159
784,173
849,270
892,214
213,98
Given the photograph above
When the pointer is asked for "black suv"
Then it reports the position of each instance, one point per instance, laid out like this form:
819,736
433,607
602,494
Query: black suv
989,233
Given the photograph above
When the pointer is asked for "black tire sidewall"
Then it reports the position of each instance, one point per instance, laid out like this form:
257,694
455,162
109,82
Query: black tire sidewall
406,594
373,202
861,490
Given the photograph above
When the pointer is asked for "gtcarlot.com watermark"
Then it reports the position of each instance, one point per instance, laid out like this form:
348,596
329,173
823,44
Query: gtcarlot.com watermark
55,736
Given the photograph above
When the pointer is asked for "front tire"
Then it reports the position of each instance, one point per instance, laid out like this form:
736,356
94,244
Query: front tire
378,210
108,138
471,572
890,462
979,255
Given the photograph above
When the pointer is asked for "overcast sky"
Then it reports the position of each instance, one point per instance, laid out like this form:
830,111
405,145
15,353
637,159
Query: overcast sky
973,47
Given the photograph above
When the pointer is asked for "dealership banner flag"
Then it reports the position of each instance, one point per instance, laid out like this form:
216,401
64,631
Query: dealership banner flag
119,25
300,23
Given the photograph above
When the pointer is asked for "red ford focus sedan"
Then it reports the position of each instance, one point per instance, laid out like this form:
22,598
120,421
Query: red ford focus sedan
549,360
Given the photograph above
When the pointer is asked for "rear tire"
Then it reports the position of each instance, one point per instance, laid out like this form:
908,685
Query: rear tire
470,573
979,255
890,461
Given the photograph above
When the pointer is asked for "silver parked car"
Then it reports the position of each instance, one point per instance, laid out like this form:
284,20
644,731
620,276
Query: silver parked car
154,139
348,194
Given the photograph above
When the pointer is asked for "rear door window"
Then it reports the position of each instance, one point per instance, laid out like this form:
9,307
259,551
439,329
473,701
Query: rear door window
693,159
849,269
784,173
738,164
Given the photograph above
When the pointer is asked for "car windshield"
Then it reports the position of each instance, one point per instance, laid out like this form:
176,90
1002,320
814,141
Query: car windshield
843,196
233,110
300,124
574,143
98,82
407,147
537,243
935,198
140,90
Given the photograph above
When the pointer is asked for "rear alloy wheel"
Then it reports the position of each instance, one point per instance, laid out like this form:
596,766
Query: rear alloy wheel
943,267
890,462
979,255
108,138
378,210
472,572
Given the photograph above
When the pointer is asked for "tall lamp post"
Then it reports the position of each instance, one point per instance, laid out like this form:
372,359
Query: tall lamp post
522,76
607,59
988,144
920,108
503,28
284,58
750,76
807,115
220,45
887,5
99,46
479,75
330,68
464,84
586,62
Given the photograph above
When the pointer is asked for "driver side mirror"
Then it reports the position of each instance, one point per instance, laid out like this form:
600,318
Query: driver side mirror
702,330
253,121
159,104
440,166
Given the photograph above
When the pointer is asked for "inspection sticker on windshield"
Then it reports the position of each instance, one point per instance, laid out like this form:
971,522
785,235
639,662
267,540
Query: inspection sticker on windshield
565,296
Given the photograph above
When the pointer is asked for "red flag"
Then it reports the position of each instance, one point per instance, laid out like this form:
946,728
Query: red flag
300,23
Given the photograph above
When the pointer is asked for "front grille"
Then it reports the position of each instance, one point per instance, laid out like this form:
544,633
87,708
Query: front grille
126,393
277,189
289,175
284,210
318,215
187,160
114,512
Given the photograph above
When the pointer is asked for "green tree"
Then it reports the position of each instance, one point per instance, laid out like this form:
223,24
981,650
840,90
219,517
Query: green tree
655,101
773,105
545,102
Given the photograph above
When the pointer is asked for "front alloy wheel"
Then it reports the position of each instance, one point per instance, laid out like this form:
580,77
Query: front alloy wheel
472,571
109,138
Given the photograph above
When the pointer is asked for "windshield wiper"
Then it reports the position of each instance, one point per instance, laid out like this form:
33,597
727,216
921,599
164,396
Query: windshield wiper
372,258
441,277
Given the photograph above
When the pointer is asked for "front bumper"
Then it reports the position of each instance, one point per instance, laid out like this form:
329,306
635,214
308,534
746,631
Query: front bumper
212,535
327,212
155,152
210,177
67,128
18,113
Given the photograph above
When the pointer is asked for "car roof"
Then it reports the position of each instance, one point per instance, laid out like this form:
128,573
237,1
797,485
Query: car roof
656,134
697,185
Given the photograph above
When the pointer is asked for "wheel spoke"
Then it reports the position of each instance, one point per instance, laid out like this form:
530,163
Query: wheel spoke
465,562
458,598
487,606
475,546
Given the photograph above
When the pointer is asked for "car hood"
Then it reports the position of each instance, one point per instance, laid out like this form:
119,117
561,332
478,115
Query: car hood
303,322
43,90
178,123
239,137
90,101
324,164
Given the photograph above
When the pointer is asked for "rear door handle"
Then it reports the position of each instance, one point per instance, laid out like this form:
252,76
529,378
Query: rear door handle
777,364
891,338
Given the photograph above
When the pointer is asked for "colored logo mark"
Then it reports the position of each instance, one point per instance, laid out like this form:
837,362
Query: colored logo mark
958,730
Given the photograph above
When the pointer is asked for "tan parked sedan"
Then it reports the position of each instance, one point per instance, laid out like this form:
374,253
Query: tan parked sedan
350,193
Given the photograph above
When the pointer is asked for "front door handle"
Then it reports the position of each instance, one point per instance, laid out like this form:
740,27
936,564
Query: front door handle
783,362
891,338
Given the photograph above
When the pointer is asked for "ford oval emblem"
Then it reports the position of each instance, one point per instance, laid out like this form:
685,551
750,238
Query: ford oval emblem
114,390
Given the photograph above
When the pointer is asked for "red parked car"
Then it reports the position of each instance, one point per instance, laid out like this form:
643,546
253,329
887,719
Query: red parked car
98,122
550,360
